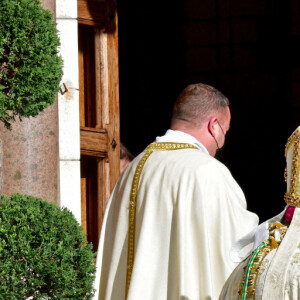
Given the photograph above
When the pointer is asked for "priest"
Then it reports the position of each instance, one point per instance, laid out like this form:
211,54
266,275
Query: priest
272,269
175,211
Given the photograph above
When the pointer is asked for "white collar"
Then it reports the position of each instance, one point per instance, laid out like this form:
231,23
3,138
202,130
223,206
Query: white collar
180,137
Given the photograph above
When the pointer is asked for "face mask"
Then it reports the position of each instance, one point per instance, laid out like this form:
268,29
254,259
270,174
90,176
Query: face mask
219,153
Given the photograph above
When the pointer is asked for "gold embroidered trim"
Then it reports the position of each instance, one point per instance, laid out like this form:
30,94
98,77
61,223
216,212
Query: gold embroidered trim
169,146
248,284
132,210
291,139
251,271
292,196
292,199
277,231
133,196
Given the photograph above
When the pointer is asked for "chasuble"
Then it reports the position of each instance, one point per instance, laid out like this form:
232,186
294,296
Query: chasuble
170,222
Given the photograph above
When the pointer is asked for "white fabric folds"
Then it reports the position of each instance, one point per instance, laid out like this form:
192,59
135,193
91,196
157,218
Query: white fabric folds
189,213
252,240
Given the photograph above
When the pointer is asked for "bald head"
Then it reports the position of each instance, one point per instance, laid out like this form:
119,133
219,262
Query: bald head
197,103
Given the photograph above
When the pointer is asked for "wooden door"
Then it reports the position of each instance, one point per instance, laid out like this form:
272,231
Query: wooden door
99,109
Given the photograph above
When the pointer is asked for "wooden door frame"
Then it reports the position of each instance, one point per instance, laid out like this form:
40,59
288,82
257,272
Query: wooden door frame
101,140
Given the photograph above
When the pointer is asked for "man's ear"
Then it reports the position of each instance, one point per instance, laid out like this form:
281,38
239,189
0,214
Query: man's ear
212,125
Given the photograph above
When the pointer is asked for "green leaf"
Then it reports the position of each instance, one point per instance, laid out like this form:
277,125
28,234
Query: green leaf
30,68
43,251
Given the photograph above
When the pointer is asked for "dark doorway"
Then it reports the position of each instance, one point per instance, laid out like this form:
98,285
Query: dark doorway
246,49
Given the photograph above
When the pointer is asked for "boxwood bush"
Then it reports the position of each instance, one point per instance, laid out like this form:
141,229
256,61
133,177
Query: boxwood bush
30,67
43,252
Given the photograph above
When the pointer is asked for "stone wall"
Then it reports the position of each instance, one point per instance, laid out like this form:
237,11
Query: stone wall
30,152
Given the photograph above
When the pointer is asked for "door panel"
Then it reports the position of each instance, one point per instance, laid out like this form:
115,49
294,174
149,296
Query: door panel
99,110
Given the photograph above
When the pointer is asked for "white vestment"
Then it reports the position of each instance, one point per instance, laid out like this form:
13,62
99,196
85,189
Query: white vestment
189,213
272,271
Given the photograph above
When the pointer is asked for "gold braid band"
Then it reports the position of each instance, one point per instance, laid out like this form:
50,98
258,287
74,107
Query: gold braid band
251,270
133,196
292,196
293,200
295,136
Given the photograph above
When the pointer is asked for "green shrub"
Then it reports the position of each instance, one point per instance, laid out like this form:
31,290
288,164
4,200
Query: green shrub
30,68
43,252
